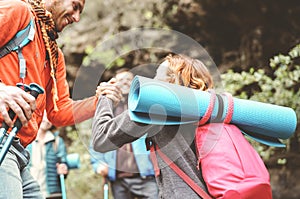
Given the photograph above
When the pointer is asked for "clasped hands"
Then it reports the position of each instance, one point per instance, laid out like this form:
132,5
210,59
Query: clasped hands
111,90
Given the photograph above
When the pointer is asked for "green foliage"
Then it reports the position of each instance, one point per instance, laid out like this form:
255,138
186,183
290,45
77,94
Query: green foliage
280,87
82,182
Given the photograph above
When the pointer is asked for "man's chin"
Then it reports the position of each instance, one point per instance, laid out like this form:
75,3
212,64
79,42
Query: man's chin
59,29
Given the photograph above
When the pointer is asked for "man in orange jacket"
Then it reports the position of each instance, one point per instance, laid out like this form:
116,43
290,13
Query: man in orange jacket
45,66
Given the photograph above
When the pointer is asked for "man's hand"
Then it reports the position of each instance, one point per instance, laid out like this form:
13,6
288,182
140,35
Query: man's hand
102,170
111,90
22,103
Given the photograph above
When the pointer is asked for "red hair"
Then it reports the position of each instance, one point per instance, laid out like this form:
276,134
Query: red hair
189,72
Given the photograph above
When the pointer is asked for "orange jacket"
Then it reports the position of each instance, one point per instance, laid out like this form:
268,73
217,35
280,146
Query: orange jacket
15,16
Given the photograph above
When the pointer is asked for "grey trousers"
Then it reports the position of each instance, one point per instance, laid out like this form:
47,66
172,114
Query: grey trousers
130,188
16,181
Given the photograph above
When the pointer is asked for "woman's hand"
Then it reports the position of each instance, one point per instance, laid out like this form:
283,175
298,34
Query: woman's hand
62,168
102,170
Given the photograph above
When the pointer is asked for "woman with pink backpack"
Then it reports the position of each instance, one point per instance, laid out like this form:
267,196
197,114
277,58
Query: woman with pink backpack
191,160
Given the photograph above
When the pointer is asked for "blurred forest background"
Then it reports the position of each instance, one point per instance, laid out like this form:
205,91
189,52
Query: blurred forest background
254,44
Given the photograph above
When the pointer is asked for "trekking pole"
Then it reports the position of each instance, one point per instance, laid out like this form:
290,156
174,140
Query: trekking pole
62,182
35,90
11,113
73,162
63,186
105,188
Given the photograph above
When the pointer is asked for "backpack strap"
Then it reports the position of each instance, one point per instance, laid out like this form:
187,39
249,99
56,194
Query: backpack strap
230,108
183,175
21,39
154,147
151,146
218,118
221,106
209,109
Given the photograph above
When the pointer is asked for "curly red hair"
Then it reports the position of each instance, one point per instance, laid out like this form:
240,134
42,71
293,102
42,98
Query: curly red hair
189,72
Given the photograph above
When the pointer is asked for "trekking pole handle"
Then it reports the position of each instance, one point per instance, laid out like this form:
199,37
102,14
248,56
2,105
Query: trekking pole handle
11,113
35,91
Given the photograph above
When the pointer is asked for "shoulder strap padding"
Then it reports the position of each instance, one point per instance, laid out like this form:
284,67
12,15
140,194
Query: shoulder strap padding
21,39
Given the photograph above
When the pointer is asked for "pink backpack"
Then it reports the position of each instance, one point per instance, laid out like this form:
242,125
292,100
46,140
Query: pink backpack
231,168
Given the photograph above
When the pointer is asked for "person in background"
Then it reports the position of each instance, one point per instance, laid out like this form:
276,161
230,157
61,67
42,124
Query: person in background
129,168
41,61
48,159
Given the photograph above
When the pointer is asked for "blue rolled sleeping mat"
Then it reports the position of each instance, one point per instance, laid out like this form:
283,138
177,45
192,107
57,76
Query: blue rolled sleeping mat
156,102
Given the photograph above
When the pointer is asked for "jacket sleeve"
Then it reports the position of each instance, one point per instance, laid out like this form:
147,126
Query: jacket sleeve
14,16
109,132
70,111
